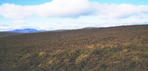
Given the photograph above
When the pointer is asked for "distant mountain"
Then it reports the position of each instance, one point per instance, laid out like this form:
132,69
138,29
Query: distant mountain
26,30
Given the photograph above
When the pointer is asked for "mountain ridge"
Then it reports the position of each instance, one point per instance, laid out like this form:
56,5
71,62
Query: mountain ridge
25,30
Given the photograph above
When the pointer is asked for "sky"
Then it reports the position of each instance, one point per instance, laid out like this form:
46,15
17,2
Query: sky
71,14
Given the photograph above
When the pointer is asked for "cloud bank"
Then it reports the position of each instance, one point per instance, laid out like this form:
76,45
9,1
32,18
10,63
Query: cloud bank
54,8
75,14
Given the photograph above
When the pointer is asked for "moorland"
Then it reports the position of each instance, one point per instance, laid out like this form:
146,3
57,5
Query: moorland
122,48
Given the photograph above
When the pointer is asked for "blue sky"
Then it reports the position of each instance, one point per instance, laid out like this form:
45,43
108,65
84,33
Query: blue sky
136,2
71,14
36,2
25,2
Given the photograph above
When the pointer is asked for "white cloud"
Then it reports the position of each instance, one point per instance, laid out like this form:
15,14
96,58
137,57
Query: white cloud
54,8
58,14
7,28
72,23
18,22
119,11
72,8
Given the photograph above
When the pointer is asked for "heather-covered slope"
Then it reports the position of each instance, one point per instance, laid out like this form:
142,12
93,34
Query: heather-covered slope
97,49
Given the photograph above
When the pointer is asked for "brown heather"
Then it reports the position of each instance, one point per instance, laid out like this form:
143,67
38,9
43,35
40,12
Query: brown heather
123,48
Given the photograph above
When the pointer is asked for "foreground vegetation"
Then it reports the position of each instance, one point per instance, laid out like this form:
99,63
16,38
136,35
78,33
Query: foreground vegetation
105,49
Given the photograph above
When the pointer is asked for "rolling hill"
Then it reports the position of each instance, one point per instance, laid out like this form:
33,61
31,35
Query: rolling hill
4,34
123,48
